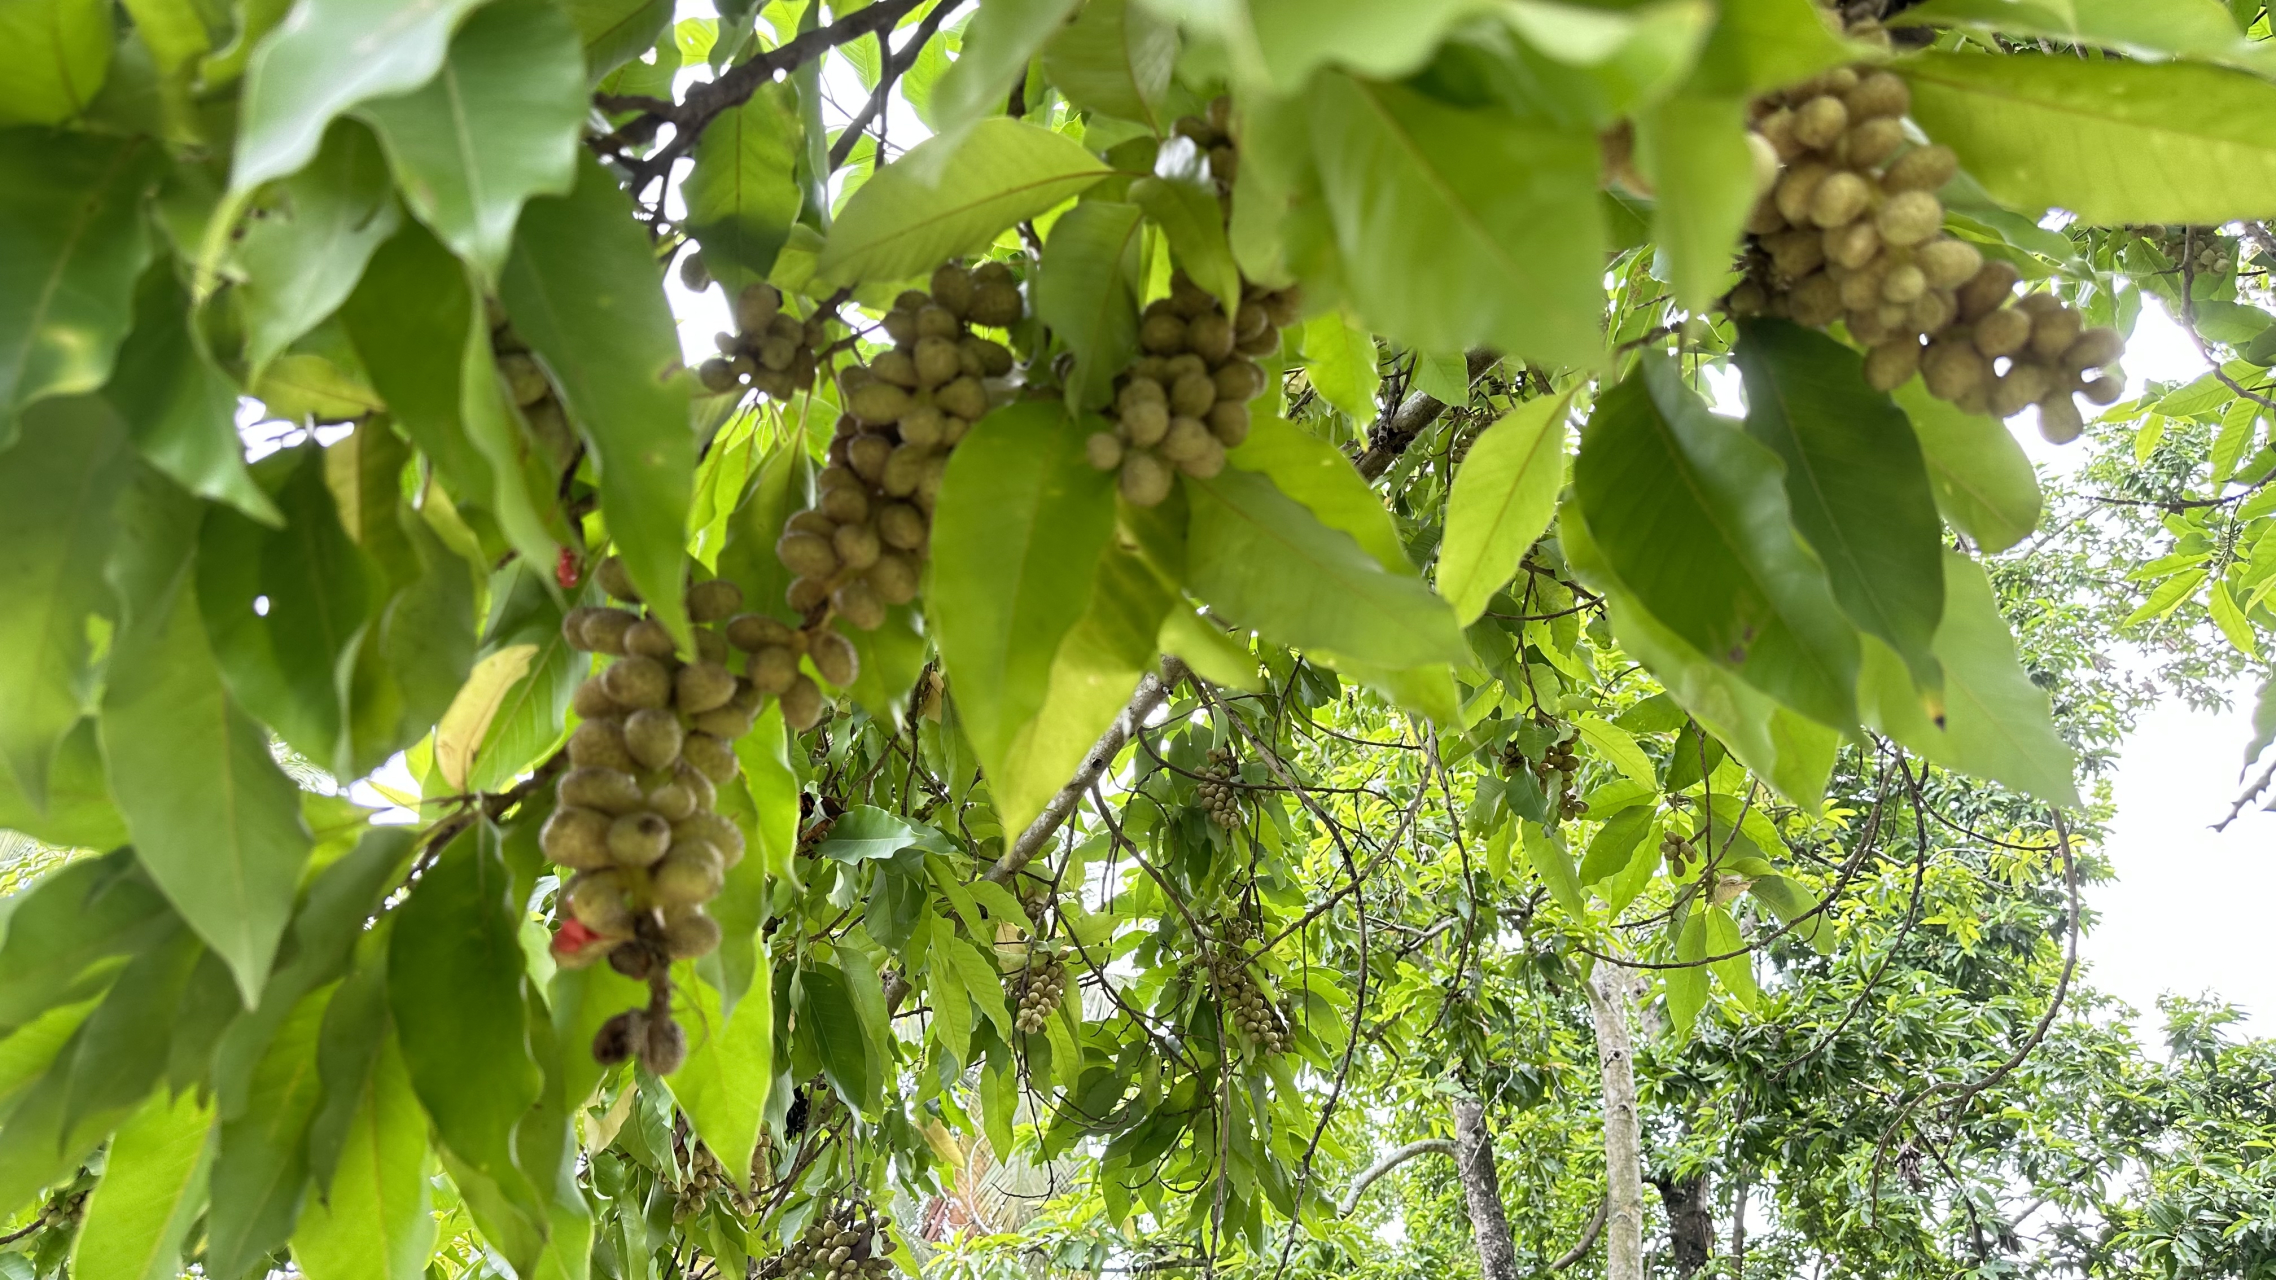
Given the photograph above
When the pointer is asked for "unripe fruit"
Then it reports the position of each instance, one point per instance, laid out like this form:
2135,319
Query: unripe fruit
996,305
1146,423
893,578
757,306
1987,289
1921,169
592,702
901,525
702,686
1819,121
2021,386
718,831
903,467
637,682
1181,364
1909,218
1764,155
653,737
805,595
1162,333
1188,438
713,600
1145,479
1930,312
802,705
1952,370
1878,93
834,657
1137,393
1839,198
596,899
2053,331
616,579
1229,422
2093,349
879,403
674,801
773,668
858,604
844,504
1861,289
752,632
1851,245
1891,364
897,368
922,425
1208,462
952,429
952,287
856,545
1903,283
1796,189
2059,419
599,744
900,324
726,723
603,630
1192,395
1210,336
995,358
691,936
1869,142
1948,263
711,756
936,361
2103,391
1239,382
807,555
649,639
577,838
1798,252
1104,450
937,322
1816,300
691,872
663,1046
638,839
965,398
1777,129
573,627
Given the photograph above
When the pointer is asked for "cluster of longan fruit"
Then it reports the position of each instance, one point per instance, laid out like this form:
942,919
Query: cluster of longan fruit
1215,791
2202,249
706,1178
1849,228
860,547
1676,850
771,349
1039,986
1185,402
844,1242
532,391
1243,999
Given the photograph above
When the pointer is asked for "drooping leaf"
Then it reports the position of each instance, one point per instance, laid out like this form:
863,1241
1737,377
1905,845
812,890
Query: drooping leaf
525,470
773,838
615,32
408,319
730,1067
463,727
1553,862
154,1183
72,243
1504,494
58,488
1981,477
584,292
80,813
1294,37
866,833
1340,360
60,52
66,932
1764,44
1318,475
950,196
2110,140
333,55
375,1222
1021,519
1115,58
1690,515
260,1163
496,125
998,42
303,259
1266,562
528,723
1855,482
1695,150
2197,29
825,1012
1461,227
1187,211
743,195
1086,291
180,409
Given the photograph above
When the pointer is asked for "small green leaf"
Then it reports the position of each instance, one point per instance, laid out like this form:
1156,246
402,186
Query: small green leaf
1115,58
80,813
408,319
1554,864
303,259
998,42
742,196
865,833
724,1082
59,54
1318,475
1339,357
774,792
1613,743
825,1013
1187,211
1737,972
615,32
950,196
260,1163
1982,480
2230,619
1086,291
1504,494
181,410
2169,595
154,1183
376,1221
497,124
1213,655
1614,844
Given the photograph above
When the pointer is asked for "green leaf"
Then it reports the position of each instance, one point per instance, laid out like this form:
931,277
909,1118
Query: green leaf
1613,743
825,1012
332,56
1694,149
998,42
59,54
408,319
1267,563
1213,655
867,833
2235,436
455,987
1187,211
773,838
2235,627
743,195
2169,596
1462,227
1854,481
1340,360
1293,37
375,1223
585,293
181,410
72,243
1318,475
58,488
2199,29
1614,844
951,1006
950,196
1982,480
1766,44
523,497
1737,972
80,814
527,725
154,1183
2112,141
781,485
1017,532
302,259
1554,864
1504,494
66,932
615,32
1086,292
1996,721
1115,58
730,1067
1687,987
260,1163
498,124
1689,514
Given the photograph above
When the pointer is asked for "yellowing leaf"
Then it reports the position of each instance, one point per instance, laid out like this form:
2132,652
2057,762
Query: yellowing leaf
460,734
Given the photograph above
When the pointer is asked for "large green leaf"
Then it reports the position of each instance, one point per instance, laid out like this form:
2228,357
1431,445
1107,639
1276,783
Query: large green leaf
585,293
730,1067
1694,149
214,819
408,319
498,124
825,1014
1854,481
66,932
2111,141
997,44
743,195
951,195
303,259
1187,211
332,55
58,488
1318,475
2199,29
1462,227
528,721
72,242
1503,497
260,1163
1293,37
1019,526
1690,515
1766,44
455,988
1115,58
59,52
1339,358
615,32
79,814
1996,721
765,753
181,410
781,485
1267,563
1981,477
154,1184
375,1223
1086,290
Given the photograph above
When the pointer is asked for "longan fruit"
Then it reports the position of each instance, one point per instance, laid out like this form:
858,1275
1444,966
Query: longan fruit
1210,336
2053,330
903,467
1819,121
701,687
1798,252
713,600
577,838
893,578
1239,382
802,704
1903,283
1188,438
900,324
834,656
897,367
1192,395
804,595
1852,244
879,403
1952,369
991,272
856,545
2059,419
1921,169
1987,289
725,723
2102,391
599,744
649,639
937,322
1930,312
806,554
964,398
952,287
1162,332
1229,422
637,682
1796,189
1146,423
996,305
2094,349
1840,198
1816,300
1104,450
691,872
2024,384
846,504
901,525
1145,479
638,839
752,632
721,833
1869,142
1206,463
1948,263
936,361
652,735
757,306
596,899
592,702
1891,364
573,627
663,1046
1878,93
615,579
995,358
1910,217
857,603
604,629
922,425
691,936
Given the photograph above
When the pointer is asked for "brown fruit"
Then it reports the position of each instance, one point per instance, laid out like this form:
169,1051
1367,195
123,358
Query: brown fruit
901,525
805,595
858,604
937,322
599,744
711,756
603,629
903,467
1208,462
2003,332
893,578
802,705
752,632
577,838
1239,382
573,627
1210,336
616,579
690,873
1162,333
637,682
2022,386
1145,479
996,305
726,723
2059,419
897,367
2093,349
995,358
2053,330
1878,93
596,899
653,737
663,1046
1869,142
807,555
952,287
701,686
649,639
619,1037
757,306
1952,370
691,936
592,702
1192,395
856,545
1188,438
1285,306
638,839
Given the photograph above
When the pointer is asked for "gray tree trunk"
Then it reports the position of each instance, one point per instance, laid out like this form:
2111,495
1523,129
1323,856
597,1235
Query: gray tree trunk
1482,1190
1608,1001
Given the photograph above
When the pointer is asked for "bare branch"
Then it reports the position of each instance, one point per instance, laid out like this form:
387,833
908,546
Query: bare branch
1152,690
1368,1176
1410,419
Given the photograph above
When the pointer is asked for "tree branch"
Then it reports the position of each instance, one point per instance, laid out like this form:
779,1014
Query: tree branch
1587,1241
1368,1176
896,66
1152,690
1391,437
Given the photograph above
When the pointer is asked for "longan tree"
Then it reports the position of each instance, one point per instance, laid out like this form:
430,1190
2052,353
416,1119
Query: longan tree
552,791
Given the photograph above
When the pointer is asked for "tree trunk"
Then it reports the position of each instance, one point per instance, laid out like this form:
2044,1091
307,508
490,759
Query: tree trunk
1482,1189
1608,1000
1691,1224
1739,1228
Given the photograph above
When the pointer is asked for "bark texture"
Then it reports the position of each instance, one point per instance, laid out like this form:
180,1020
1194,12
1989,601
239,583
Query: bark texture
1608,1000
1482,1190
1691,1222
